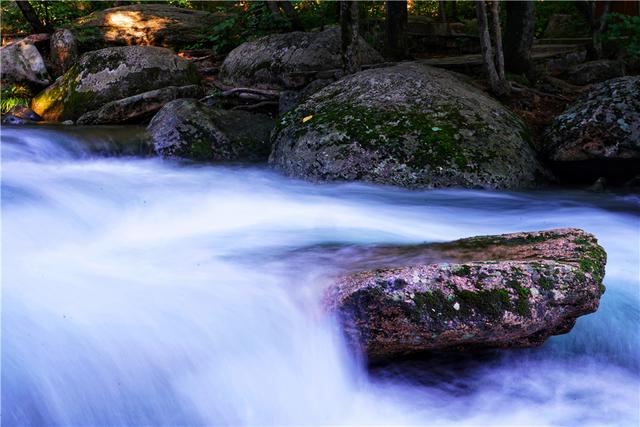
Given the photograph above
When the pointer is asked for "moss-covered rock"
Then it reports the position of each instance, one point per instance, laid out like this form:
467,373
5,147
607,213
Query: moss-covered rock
138,107
186,128
512,290
110,74
279,61
408,125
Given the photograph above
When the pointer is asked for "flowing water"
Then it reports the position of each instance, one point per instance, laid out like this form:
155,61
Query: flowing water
137,291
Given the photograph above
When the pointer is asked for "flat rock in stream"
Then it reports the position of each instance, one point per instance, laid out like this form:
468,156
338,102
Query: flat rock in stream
511,290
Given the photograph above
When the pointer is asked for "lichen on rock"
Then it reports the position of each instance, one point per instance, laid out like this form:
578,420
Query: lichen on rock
188,129
512,290
110,74
408,125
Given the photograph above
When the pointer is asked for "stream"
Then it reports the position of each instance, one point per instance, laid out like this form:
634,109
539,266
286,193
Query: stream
144,292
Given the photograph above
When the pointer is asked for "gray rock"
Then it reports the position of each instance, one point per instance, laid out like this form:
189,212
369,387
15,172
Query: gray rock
595,71
145,24
63,51
409,125
22,63
111,74
288,60
603,123
560,25
186,128
137,107
512,290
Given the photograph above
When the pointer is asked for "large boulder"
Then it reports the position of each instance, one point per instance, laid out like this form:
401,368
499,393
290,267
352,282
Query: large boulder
186,128
289,60
512,290
409,125
110,74
22,63
595,71
599,134
145,24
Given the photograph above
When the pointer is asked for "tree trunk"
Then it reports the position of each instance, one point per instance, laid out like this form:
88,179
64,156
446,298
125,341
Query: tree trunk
588,10
291,13
497,37
520,26
397,17
499,85
273,7
443,11
349,32
32,17
597,29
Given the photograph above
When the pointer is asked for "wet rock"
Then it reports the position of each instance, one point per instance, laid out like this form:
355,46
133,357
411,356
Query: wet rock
595,71
63,51
145,24
138,107
512,290
110,74
21,114
289,60
409,125
22,63
186,128
600,131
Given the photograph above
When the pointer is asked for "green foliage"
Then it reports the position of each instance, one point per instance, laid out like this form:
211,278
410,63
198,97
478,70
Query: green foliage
627,29
253,21
12,95
56,13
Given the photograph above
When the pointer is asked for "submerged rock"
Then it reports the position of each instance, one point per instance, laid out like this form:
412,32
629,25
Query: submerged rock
110,74
20,115
409,125
511,290
282,61
22,63
186,128
599,134
145,24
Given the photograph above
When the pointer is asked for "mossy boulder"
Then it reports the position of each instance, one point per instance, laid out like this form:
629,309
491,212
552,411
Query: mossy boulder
409,125
598,135
145,24
110,74
511,290
186,128
282,61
